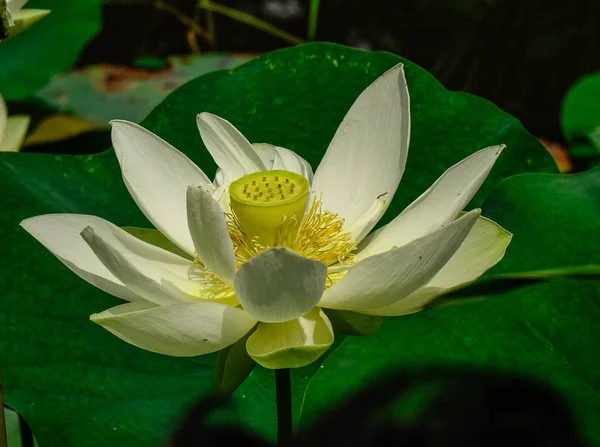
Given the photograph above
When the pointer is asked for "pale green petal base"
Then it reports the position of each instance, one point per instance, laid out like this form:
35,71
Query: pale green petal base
292,344
14,136
483,248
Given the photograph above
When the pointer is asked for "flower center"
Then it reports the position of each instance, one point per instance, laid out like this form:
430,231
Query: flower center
261,201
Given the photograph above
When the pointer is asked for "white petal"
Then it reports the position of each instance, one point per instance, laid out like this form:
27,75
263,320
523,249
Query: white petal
219,178
228,147
279,285
208,228
275,157
3,118
14,135
437,206
292,344
367,155
15,5
157,176
118,264
361,226
60,233
408,305
483,248
221,196
387,277
181,330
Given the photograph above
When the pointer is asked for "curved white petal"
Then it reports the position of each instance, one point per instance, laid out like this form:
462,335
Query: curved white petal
181,330
60,233
387,277
208,228
232,152
367,155
437,206
276,157
279,285
15,5
409,304
360,228
483,248
219,178
3,118
292,344
157,176
117,263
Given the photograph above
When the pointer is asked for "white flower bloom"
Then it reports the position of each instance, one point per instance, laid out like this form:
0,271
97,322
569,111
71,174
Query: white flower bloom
267,245
12,129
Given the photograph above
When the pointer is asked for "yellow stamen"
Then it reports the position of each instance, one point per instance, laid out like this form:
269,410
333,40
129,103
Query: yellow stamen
212,288
319,236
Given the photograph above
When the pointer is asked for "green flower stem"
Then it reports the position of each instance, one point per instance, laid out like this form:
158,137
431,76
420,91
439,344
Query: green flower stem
248,19
313,17
283,396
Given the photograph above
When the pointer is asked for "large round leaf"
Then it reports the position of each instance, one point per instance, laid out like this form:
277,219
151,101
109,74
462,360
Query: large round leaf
48,47
548,331
78,385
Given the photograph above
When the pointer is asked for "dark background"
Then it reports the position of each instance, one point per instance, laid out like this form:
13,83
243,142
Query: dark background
522,55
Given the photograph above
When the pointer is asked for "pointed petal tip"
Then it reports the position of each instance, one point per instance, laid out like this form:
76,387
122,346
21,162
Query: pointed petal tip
98,317
205,116
210,119
474,214
495,149
499,148
29,222
25,222
397,70
116,123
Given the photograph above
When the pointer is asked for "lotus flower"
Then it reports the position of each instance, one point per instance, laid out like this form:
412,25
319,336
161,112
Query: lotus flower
266,246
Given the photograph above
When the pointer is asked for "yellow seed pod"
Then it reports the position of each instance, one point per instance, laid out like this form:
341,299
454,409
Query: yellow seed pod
262,200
